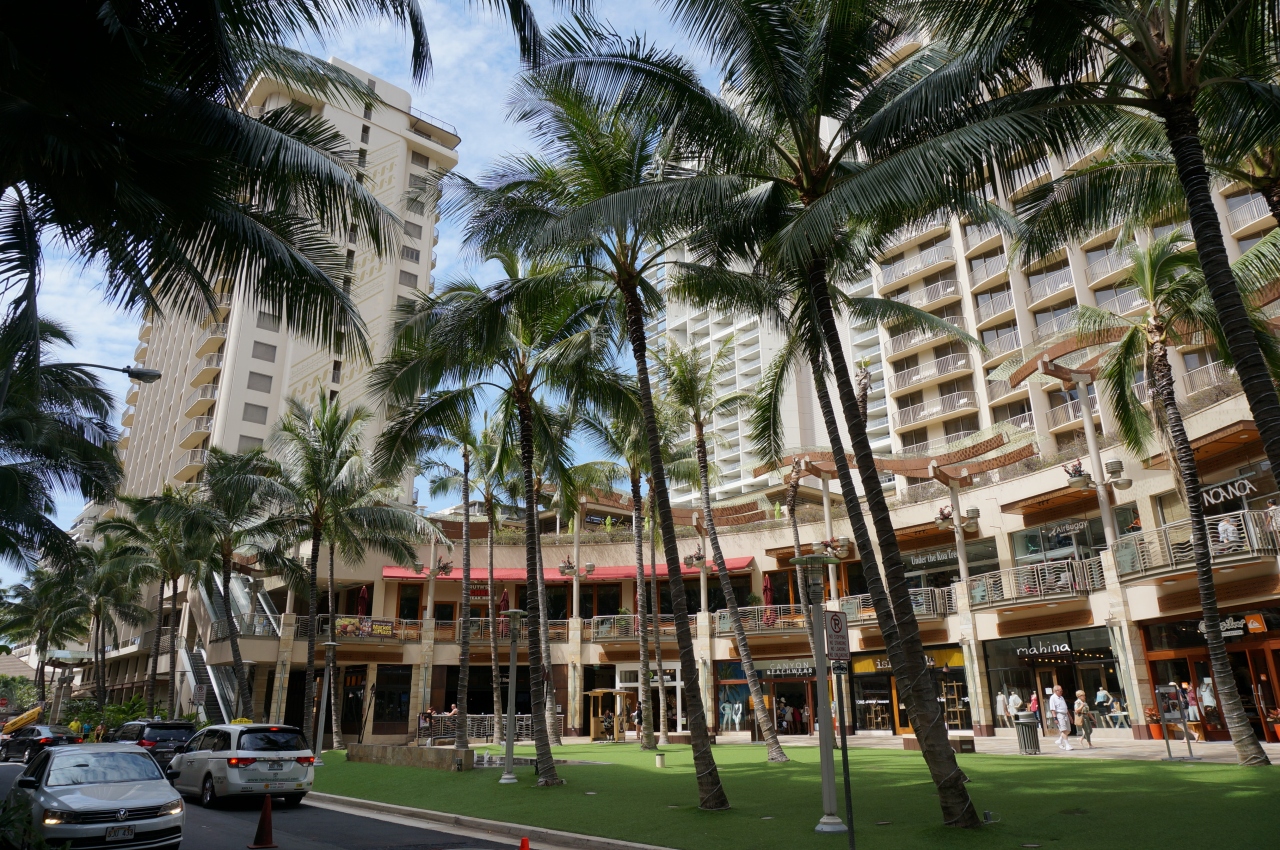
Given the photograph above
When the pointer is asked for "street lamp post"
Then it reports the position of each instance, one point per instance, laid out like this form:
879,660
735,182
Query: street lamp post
514,616
813,572
136,373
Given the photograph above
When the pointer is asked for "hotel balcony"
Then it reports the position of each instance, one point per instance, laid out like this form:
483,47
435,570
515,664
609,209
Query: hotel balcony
625,628
1124,303
189,464
929,603
997,390
195,432
937,409
906,343
936,220
1036,584
988,271
1066,322
144,332
1048,287
1208,377
763,619
1001,347
123,441
995,308
140,353
1243,218
131,394
200,401
980,237
934,295
1062,417
921,376
211,339
224,304
1109,268
921,263
126,418
1028,176
207,368
1168,550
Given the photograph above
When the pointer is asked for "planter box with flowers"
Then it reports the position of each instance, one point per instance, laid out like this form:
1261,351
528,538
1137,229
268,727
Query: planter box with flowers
1154,723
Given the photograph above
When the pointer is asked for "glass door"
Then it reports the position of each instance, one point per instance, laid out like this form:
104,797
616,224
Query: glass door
1247,685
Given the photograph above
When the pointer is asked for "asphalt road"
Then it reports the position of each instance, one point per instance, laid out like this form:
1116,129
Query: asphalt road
303,827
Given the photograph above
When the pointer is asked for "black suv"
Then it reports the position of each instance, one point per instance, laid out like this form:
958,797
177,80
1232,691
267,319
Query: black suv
158,737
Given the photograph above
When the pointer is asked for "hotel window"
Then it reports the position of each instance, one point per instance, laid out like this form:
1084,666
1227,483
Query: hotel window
413,230
408,279
262,351
256,413
420,159
268,322
248,443
259,382
364,134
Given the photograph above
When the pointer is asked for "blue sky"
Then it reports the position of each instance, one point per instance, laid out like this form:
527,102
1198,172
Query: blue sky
475,60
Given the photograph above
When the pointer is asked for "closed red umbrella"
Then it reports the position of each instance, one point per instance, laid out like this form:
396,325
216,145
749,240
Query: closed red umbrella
766,589
362,602
504,604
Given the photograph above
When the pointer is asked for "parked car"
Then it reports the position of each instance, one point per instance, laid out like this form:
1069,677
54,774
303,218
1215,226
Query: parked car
95,796
161,738
29,741
243,760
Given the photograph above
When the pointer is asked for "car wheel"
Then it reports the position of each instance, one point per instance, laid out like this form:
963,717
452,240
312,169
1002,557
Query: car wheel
4,752
208,796
291,800
26,756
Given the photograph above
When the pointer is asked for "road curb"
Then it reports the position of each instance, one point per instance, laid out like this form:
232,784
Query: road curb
514,830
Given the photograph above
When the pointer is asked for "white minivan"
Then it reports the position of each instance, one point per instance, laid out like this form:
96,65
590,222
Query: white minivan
236,760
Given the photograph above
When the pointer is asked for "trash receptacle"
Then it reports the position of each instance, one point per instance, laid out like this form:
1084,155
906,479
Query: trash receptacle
1028,733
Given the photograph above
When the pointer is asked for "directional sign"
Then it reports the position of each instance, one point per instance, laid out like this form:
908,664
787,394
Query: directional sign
837,636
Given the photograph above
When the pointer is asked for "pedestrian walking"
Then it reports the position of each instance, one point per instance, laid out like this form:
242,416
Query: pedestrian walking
1033,706
1084,719
1062,717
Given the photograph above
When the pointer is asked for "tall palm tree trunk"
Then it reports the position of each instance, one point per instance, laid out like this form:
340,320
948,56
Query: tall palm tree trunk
896,619
655,603
331,664
764,717
460,740
1182,128
173,650
1248,750
711,793
544,641
537,688
645,696
309,672
793,489
244,694
155,652
100,662
494,666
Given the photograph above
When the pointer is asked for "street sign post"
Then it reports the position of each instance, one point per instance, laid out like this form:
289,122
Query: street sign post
837,629
837,636
199,695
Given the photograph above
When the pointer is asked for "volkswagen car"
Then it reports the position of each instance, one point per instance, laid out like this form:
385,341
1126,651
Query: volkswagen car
95,796
234,760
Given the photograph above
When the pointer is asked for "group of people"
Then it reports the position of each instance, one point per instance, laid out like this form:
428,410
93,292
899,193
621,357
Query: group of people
790,720
1062,716
96,735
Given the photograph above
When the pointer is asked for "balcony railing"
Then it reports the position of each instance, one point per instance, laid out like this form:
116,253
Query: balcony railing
247,625
200,399
995,306
941,444
1026,174
929,603
209,361
1022,420
1108,264
1234,537
217,330
1064,414
910,339
1003,344
1053,327
977,234
1120,304
623,627
1165,229
1243,216
140,353
961,401
189,462
1050,284
916,228
763,618
1036,582
933,369
921,298
920,262
987,269
1208,376
201,425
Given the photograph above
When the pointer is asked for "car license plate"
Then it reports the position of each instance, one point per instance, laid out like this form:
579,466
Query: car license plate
119,833
275,765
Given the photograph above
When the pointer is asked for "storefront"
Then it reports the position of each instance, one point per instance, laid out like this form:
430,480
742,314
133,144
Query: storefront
1069,539
1248,489
1178,655
879,707
1080,660
628,679
940,565
789,692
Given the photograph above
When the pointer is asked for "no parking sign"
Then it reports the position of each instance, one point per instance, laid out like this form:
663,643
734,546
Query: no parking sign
837,636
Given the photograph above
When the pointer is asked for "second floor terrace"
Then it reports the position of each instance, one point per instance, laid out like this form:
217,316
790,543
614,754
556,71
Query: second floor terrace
1233,538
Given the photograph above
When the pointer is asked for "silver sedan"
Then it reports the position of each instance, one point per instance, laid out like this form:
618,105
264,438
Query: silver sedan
95,796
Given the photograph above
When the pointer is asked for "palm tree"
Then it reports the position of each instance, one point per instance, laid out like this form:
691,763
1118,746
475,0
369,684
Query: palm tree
111,576
1180,307
562,205
526,354
46,611
324,473
1188,65
688,380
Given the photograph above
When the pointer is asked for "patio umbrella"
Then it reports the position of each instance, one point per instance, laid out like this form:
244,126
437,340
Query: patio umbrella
766,589
504,604
362,602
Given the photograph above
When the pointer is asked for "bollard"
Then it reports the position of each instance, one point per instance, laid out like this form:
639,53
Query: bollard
262,838
660,759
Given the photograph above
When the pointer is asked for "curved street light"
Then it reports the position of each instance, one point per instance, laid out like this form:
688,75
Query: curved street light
136,373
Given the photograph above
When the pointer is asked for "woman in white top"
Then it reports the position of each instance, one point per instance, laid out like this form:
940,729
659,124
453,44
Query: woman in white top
1059,711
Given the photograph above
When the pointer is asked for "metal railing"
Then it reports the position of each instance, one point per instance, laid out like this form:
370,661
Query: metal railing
480,727
217,329
204,392
1050,284
1036,582
1247,214
952,403
995,305
1108,264
928,603
1053,327
431,119
627,627
247,625
988,268
921,298
762,618
916,228
354,627
1003,344
998,389
1165,229
1026,174
1208,376
194,457
939,445
209,361
1120,304
976,234
1064,414
933,369
1242,535
903,341
200,423
1022,420
920,262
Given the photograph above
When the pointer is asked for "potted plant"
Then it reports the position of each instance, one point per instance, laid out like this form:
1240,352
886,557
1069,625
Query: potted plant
696,560
1154,723
1075,473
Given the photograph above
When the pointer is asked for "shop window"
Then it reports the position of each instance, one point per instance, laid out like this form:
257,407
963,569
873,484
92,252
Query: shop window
391,699
410,601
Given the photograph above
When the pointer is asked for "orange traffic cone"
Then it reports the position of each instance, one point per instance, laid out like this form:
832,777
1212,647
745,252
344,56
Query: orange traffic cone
262,838
524,844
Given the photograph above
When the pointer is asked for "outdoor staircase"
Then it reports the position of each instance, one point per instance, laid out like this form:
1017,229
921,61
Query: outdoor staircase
200,673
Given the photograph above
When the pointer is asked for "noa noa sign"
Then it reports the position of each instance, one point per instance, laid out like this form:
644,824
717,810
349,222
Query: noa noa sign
837,636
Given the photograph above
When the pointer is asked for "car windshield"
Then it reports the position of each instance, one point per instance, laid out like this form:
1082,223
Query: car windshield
268,741
61,730
93,768
154,734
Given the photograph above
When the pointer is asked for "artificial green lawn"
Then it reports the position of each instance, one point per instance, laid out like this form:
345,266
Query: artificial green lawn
1054,802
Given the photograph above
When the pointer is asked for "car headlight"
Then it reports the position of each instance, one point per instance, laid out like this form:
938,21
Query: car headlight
174,808
53,817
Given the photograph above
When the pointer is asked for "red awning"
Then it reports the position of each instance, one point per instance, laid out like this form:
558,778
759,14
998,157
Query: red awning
551,574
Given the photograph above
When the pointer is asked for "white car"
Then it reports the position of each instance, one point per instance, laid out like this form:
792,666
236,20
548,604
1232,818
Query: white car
241,760
95,796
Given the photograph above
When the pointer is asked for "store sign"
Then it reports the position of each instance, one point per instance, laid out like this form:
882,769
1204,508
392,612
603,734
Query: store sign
795,668
934,557
1238,488
1255,624
1232,625
1045,649
1066,528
